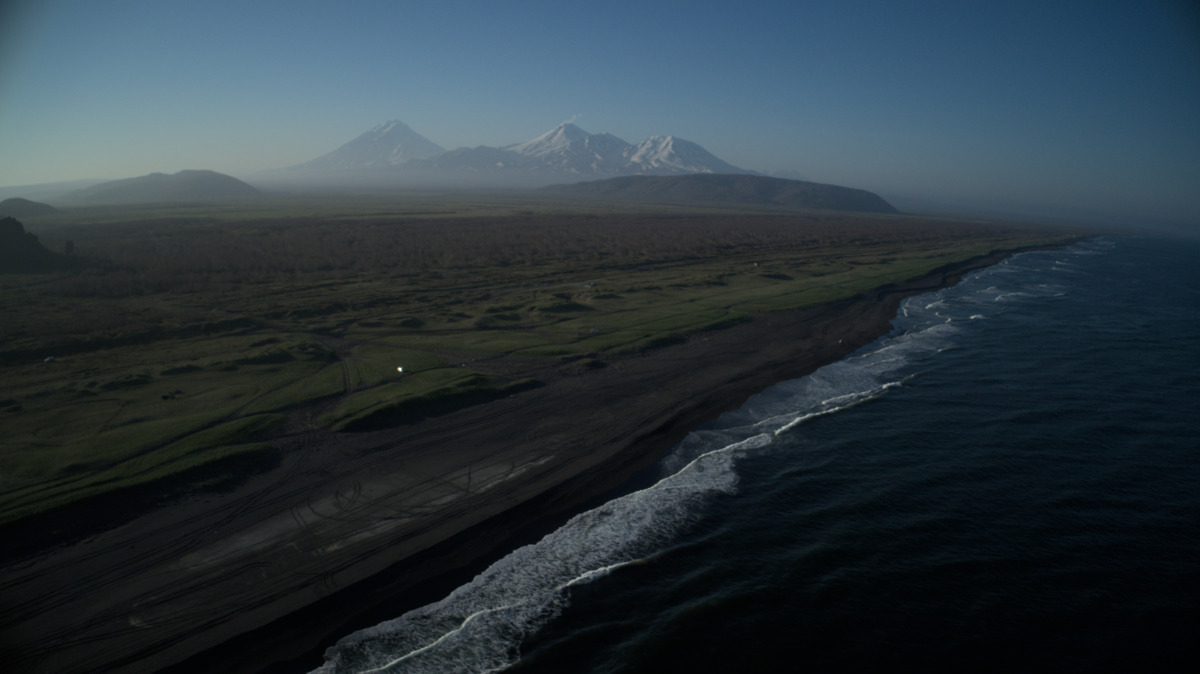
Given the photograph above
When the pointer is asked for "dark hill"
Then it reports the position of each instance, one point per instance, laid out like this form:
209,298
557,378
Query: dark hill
20,251
731,189
160,187
17,207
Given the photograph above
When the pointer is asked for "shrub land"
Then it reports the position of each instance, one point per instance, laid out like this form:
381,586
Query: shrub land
194,338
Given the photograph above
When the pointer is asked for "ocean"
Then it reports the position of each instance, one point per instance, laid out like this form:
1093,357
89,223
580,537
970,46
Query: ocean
1008,481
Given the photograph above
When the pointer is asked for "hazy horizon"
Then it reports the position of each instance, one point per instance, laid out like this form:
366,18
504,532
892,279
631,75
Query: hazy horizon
1071,108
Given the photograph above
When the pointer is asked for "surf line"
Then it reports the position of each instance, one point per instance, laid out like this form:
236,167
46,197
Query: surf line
589,575
854,399
585,577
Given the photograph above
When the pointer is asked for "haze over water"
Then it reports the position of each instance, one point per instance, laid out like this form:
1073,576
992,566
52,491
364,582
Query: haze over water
1006,482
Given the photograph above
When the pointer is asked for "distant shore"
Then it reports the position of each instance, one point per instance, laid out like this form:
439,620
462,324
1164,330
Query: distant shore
355,528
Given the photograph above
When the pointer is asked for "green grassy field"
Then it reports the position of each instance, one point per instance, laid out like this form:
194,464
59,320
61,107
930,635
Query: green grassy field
198,334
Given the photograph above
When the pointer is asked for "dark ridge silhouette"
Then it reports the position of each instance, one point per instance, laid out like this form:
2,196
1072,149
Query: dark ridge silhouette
184,186
17,207
21,252
730,189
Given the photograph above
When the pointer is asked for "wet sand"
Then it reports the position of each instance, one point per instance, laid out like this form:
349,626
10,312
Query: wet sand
354,528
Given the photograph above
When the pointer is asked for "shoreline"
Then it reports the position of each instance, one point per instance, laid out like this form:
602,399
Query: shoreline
265,577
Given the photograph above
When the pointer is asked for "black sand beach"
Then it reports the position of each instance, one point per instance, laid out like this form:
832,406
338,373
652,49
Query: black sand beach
355,527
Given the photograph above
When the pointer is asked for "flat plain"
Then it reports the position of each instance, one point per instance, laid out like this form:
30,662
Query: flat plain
201,328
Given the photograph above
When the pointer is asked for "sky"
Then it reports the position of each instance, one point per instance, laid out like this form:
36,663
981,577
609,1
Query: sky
1051,106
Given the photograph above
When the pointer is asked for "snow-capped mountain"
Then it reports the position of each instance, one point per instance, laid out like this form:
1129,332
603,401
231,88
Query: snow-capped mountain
571,149
668,155
568,152
393,154
388,145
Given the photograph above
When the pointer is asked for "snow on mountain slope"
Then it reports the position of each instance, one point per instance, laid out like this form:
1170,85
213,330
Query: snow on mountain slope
564,153
668,155
570,149
388,145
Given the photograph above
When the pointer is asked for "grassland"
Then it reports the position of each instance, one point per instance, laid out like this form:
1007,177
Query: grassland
199,335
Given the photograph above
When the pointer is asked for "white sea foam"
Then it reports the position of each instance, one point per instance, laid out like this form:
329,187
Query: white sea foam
480,626
836,405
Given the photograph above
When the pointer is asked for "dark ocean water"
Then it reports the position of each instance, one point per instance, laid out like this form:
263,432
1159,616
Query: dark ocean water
1009,481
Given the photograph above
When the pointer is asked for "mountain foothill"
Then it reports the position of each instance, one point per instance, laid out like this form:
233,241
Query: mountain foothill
17,207
729,190
184,186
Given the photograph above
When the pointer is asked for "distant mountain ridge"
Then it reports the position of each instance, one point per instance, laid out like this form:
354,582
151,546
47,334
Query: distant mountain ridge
732,189
393,152
571,149
568,151
16,207
190,185
668,155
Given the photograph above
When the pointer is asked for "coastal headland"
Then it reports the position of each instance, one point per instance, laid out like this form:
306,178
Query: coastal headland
523,381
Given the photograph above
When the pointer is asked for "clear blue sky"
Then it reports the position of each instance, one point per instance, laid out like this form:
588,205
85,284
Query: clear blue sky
1034,104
